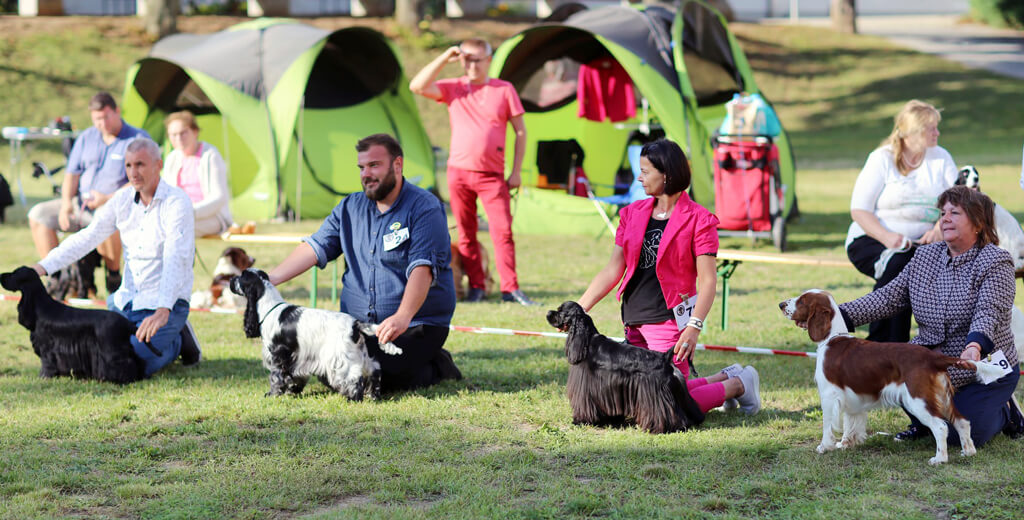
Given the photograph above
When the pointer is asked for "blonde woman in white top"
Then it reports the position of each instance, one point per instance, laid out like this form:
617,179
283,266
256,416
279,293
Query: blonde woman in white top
198,168
893,204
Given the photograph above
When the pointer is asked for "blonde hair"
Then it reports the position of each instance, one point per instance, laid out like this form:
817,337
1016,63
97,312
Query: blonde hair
913,118
185,117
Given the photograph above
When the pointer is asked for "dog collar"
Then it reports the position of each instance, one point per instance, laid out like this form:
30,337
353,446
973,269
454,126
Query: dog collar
278,304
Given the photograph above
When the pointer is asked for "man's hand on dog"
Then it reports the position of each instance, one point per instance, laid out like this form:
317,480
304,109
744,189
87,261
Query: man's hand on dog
392,327
147,329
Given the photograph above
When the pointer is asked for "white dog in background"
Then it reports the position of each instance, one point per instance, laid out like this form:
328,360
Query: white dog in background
1011,236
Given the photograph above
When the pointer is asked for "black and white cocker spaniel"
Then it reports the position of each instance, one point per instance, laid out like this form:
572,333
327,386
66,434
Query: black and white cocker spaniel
299,342
81,343
612,383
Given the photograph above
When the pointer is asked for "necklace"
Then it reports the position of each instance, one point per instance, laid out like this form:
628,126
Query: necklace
661,215
913,165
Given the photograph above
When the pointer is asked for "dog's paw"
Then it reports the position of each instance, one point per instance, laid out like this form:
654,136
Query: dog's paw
391,348
822,448
936,460
968,451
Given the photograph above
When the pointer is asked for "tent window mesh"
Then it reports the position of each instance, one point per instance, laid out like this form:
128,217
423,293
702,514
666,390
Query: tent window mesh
351,69
551,86
708,57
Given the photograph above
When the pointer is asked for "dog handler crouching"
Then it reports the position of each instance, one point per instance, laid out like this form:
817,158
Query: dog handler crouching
664,247
155,220
960,291
394,236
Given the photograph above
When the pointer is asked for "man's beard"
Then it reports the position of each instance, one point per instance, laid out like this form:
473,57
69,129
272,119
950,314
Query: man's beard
383,188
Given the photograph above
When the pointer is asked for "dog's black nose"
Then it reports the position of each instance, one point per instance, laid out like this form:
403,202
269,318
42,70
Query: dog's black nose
782,305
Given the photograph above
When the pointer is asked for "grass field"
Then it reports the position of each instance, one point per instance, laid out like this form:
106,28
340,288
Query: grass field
203,442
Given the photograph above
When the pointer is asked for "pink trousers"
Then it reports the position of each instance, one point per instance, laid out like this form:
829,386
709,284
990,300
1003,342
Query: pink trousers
464,187
662,337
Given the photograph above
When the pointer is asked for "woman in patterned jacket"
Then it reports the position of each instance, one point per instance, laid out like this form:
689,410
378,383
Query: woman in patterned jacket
960,291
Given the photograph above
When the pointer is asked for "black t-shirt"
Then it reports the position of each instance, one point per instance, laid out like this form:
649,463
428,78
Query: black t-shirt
643,301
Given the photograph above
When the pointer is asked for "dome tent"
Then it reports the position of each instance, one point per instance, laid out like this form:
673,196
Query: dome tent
285,103
683,62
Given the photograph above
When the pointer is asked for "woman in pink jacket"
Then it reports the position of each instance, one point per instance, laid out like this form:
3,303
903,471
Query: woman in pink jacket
664,246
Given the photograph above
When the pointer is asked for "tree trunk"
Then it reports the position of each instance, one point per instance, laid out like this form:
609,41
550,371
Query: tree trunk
407,13
160,17
844,16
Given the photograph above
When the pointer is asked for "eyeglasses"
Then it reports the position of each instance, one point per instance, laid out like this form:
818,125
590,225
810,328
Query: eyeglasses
467,59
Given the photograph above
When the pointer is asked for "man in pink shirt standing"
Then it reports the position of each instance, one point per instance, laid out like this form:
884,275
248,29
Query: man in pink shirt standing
479,110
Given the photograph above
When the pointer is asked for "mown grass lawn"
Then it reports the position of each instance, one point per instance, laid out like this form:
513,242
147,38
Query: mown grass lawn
203,442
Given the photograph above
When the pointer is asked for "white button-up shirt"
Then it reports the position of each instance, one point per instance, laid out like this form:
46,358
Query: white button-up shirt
158,241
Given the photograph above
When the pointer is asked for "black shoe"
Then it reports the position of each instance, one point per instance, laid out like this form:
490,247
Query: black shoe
444,366
517,296
913,433
1015,426
113,281
474,295
191,354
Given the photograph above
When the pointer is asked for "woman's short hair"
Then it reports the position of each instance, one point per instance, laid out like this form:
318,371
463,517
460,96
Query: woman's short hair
980,210
668,158
913,118
186,118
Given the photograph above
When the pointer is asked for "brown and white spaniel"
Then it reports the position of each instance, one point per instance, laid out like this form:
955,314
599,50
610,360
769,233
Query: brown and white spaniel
231,263
855,375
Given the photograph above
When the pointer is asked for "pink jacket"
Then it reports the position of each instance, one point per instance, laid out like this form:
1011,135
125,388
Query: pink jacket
691,231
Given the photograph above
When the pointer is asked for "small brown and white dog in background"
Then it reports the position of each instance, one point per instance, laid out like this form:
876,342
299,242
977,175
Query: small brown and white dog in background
461,280
231,263
856,375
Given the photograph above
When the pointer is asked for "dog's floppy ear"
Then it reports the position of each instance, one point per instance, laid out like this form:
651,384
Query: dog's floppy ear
819,318
581,330
252,287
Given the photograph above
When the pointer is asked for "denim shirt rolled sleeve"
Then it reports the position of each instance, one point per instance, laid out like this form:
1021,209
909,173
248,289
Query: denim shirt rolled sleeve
377,268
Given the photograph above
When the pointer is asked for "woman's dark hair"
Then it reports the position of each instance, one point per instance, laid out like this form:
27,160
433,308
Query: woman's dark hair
668,158
980,210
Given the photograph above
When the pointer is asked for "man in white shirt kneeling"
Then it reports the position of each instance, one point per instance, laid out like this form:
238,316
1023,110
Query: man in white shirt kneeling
156,223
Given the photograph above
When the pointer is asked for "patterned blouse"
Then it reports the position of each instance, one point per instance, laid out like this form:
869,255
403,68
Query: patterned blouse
955,300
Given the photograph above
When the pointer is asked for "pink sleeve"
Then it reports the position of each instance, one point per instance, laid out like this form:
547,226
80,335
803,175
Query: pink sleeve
515,106
620,233
447,88
705,235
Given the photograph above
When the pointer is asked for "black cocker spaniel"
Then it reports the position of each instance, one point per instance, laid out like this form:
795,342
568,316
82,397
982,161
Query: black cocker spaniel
612,383
81,343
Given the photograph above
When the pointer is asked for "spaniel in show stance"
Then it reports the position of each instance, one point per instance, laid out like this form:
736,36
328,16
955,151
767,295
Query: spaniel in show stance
299,342
612,383
231,263
81,343
856,375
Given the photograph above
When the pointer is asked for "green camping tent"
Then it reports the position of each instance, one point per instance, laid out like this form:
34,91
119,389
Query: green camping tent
684,64
285,103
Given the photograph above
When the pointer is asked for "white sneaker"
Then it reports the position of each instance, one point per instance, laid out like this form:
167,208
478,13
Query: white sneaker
750,401
731,371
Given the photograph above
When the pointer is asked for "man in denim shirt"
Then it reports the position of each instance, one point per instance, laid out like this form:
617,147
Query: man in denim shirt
394,236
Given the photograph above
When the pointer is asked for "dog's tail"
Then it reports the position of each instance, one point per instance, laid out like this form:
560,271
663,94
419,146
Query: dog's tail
370,329
987,372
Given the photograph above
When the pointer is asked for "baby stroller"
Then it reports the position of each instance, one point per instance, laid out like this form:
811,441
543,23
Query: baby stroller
749,194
